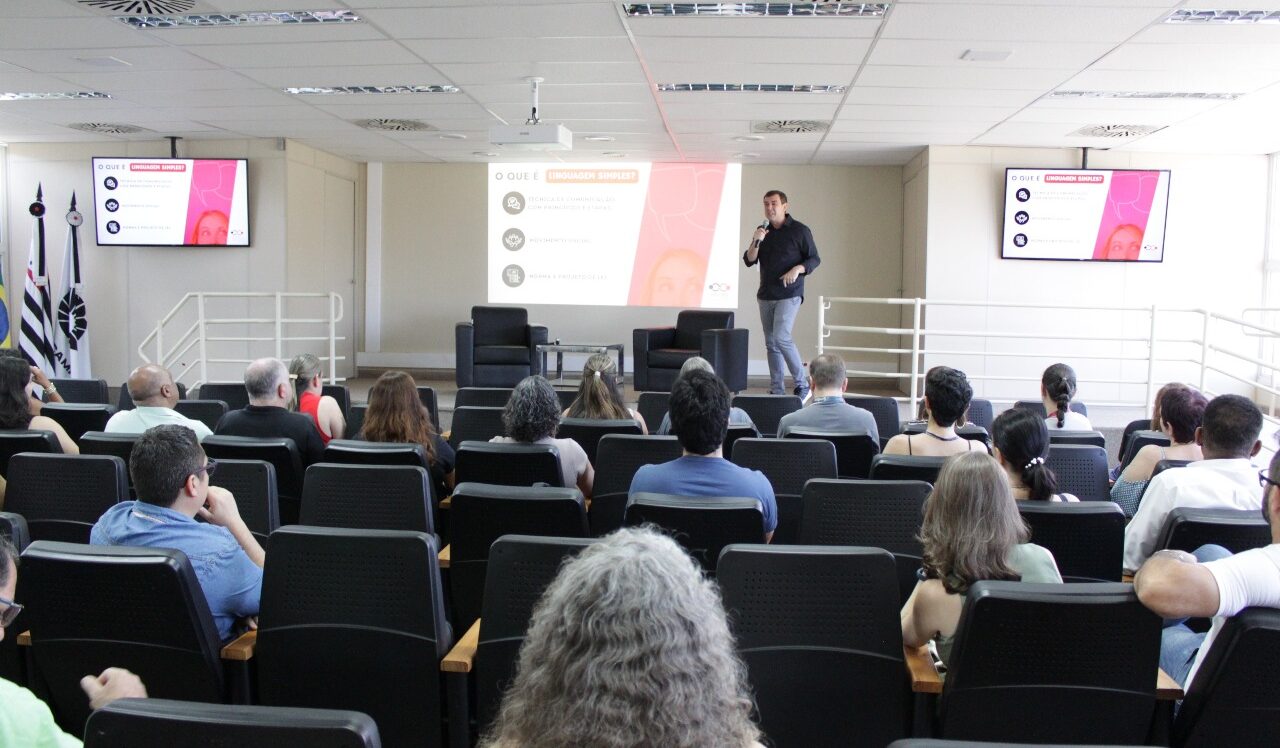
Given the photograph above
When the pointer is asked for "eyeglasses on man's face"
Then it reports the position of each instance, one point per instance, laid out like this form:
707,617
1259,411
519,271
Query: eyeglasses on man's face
209,468
1264,480
9,613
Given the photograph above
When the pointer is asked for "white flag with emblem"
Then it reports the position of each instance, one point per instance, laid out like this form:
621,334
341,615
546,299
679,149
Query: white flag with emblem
72,328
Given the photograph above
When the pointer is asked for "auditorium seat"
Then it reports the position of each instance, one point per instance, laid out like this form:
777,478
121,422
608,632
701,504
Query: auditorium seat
1088,438
355,419
368,497
13,441
703,526
653,408
854,449
1037,406
475,423
508,464
660,351
497,347
885,412
481,397
819,630
103,443
874,513
1136,441
971,431
767,410
906,467
1081,469
736,432
62,496
360,452
253,483
980,413
77,418
619,456
588,432
427,395
127,723
340,393
520,567
1188,528
787,463
13,527
1086,538
87,391
232,393
280,452
208,412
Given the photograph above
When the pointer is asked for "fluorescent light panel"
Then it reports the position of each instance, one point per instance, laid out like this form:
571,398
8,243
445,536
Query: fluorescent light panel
1192,16
52,95
752,87
345,90
830,9
249,18
1207,95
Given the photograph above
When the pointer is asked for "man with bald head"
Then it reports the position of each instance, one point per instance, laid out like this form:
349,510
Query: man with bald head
267,415
154,397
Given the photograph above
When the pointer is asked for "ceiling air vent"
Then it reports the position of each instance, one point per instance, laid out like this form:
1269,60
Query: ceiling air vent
145,7
394,125
790,125
107,128
1114,131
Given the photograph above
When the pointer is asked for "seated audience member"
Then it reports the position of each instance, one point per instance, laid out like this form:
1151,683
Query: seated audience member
15,404
154,397
322,409
737,416
171,477
25,720
1228,437
1057,388
629,646
599,397
40,386
396,414
827,410
946,398
1175,584
971,532
1155,424
1181,410
700,419
1021,441
267,415
531,417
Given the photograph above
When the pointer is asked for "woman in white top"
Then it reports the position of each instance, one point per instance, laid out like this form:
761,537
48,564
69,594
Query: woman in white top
531,417
1057,388
1021,441
15,404
599,396
946,398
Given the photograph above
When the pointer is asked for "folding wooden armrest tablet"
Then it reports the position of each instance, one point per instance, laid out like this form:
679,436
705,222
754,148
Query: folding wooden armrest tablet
443,557
463,655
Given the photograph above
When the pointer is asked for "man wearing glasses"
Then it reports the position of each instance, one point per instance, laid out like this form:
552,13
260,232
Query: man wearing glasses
171,477
25,719
1175,584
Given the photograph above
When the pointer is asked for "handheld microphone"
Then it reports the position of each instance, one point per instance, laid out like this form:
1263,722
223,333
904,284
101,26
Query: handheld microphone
763,225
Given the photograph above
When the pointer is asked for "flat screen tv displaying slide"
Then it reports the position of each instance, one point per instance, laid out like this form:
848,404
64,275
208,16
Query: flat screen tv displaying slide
1108,215
171,202
615,234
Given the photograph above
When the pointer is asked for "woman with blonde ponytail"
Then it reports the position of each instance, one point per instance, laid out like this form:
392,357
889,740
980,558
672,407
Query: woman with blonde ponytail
309,399
599,395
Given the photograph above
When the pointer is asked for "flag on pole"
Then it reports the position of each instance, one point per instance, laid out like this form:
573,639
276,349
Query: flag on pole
72,332
6,341
35,338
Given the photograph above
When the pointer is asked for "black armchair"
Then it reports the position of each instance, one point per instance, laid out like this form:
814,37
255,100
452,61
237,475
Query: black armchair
661,351
497,347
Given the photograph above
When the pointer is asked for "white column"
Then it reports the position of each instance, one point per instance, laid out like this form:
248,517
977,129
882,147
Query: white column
373,259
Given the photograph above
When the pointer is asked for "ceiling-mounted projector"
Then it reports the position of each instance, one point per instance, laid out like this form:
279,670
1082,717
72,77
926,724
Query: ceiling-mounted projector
533,135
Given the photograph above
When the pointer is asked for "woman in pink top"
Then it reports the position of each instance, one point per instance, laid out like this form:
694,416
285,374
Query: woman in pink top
304,369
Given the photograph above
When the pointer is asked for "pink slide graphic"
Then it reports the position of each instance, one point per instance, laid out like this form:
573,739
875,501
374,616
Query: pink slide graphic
676,231
1124,216
209,207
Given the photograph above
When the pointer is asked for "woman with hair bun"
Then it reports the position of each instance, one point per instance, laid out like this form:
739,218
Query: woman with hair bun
1057,388
599,396
1181,410
1021,441
946,399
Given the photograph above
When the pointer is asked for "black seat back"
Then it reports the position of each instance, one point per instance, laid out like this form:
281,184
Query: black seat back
281,452
588,432
355,418
62,496
77,418
819,630
1091,438
354,619
980,413
1136,441
253,483
1086,538
359,452
1164,465
93,391
970,431
508,464
126,723
874,513
906,467
369,497
103,443
703,526
1029,665
1081,469
232,393
884,410
475,423
427,395
340,393
618,457
208,412
482,513
520,569
1037,406
653,407
482,397
1233,699
93,607
736,432
13,527
854,450
13,441
787,463
767,410
1188,528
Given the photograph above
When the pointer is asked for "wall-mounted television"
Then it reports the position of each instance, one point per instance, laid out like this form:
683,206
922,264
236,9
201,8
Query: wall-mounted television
171,202
1105,215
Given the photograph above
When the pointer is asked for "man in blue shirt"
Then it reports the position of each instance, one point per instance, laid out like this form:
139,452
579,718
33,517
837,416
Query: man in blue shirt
171,476
700,420
828,411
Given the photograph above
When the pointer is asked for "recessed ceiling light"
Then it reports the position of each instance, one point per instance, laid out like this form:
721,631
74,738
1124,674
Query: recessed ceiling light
52,95
451,136
748,138
598,138
1210,95
752,87
746,155
828,8
250,18
343,90
986,55
1191,16
614,154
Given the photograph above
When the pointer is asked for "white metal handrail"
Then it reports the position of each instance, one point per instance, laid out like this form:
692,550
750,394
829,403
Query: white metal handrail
196,335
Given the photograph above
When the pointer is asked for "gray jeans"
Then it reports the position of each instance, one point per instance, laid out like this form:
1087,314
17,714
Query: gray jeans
777,318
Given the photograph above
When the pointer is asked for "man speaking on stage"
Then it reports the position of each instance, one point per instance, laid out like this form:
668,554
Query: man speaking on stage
785,250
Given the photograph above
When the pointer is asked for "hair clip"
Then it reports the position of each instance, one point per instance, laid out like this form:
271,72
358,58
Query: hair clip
1034,461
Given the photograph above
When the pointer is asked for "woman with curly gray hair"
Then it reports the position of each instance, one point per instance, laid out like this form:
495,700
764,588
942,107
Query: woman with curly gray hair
531,417
629,646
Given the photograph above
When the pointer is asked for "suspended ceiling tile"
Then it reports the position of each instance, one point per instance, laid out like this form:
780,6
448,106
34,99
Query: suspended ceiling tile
993,22
765,28
516,20
558,72
961,78
781,51
246,56
554,49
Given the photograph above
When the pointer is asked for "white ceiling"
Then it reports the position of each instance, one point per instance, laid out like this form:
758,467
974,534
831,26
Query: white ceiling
907,86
